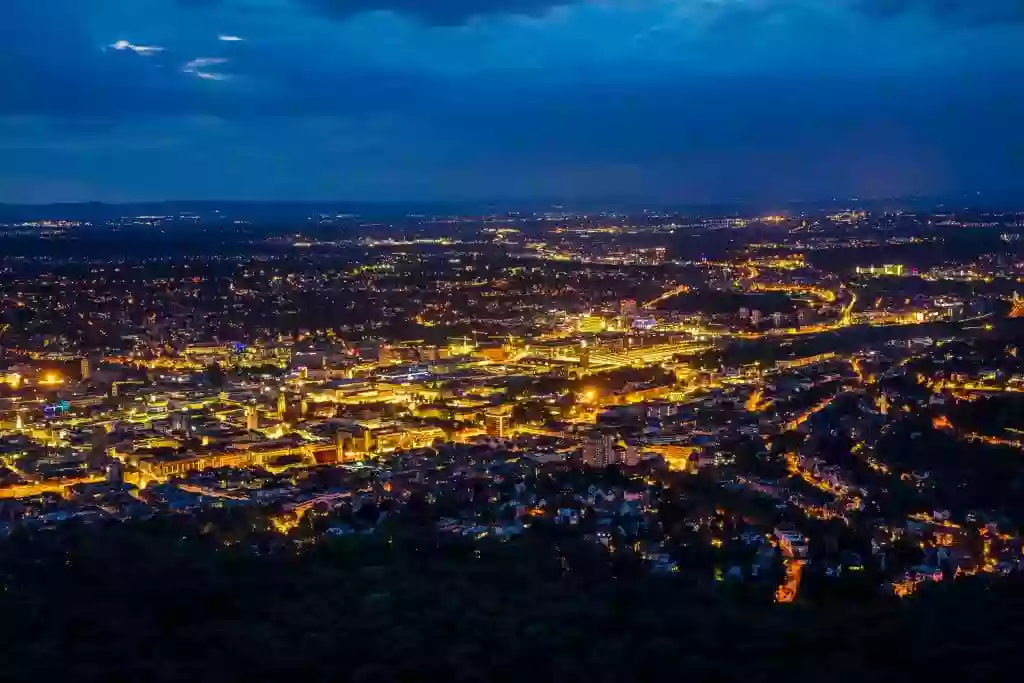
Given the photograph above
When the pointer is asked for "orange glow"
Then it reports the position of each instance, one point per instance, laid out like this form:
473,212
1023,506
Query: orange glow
51,379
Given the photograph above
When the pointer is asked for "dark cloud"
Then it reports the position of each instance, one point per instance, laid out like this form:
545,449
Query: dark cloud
436,12
433,12
313,118
454,12
961,11
56,68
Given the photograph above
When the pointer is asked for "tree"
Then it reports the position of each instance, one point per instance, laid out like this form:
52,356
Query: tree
215,375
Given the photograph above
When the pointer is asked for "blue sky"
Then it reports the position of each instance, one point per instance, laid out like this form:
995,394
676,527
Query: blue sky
664,100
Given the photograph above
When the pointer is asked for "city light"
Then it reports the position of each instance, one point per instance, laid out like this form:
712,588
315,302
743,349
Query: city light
488,377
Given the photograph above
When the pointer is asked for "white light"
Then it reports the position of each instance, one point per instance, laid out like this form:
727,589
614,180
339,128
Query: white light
230,39
144,50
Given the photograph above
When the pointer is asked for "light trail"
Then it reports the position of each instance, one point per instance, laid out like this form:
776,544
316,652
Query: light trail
675,291
787,592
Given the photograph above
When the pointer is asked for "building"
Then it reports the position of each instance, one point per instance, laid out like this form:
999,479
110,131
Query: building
889,270
115,473
632,455
599,450
755,317
592,324
646,322
498,424
182,422
86,368
627,310
374,351
252,418
791,541
777,319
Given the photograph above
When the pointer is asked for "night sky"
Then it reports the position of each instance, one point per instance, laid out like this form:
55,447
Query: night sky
666,100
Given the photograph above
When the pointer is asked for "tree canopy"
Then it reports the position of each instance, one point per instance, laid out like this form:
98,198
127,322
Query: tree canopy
164,600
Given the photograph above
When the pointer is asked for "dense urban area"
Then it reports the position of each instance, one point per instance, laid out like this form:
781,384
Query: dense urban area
598,445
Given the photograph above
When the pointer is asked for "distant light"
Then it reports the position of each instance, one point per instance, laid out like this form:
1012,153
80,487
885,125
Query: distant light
230,39
51,378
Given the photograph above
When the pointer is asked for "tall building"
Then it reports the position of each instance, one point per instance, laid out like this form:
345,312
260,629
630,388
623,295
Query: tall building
755,317
115,473
86,368
498,424
777,319
182,422
282,405
599,450
97,457
339,444
632,456
252,418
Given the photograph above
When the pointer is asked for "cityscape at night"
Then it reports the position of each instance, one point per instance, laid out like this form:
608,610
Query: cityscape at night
582,341
819,408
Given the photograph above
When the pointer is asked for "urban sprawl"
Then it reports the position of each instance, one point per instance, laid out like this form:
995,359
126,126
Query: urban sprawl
796,403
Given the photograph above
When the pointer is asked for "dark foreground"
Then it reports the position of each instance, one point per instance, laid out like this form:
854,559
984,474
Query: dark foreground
163,601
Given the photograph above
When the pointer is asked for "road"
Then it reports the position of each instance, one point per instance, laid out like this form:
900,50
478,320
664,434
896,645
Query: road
788,591
675,291
807,414
847,318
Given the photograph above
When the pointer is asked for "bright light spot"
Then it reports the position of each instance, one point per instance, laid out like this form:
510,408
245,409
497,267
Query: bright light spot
144,50
51,378
230,39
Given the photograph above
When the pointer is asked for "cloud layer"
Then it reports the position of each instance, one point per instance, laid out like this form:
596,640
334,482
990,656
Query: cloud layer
440,12
953,11
695,99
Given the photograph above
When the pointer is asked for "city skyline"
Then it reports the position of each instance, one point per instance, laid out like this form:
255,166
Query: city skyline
680,101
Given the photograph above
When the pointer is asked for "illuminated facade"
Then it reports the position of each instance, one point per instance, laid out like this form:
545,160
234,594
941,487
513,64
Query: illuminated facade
889,270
